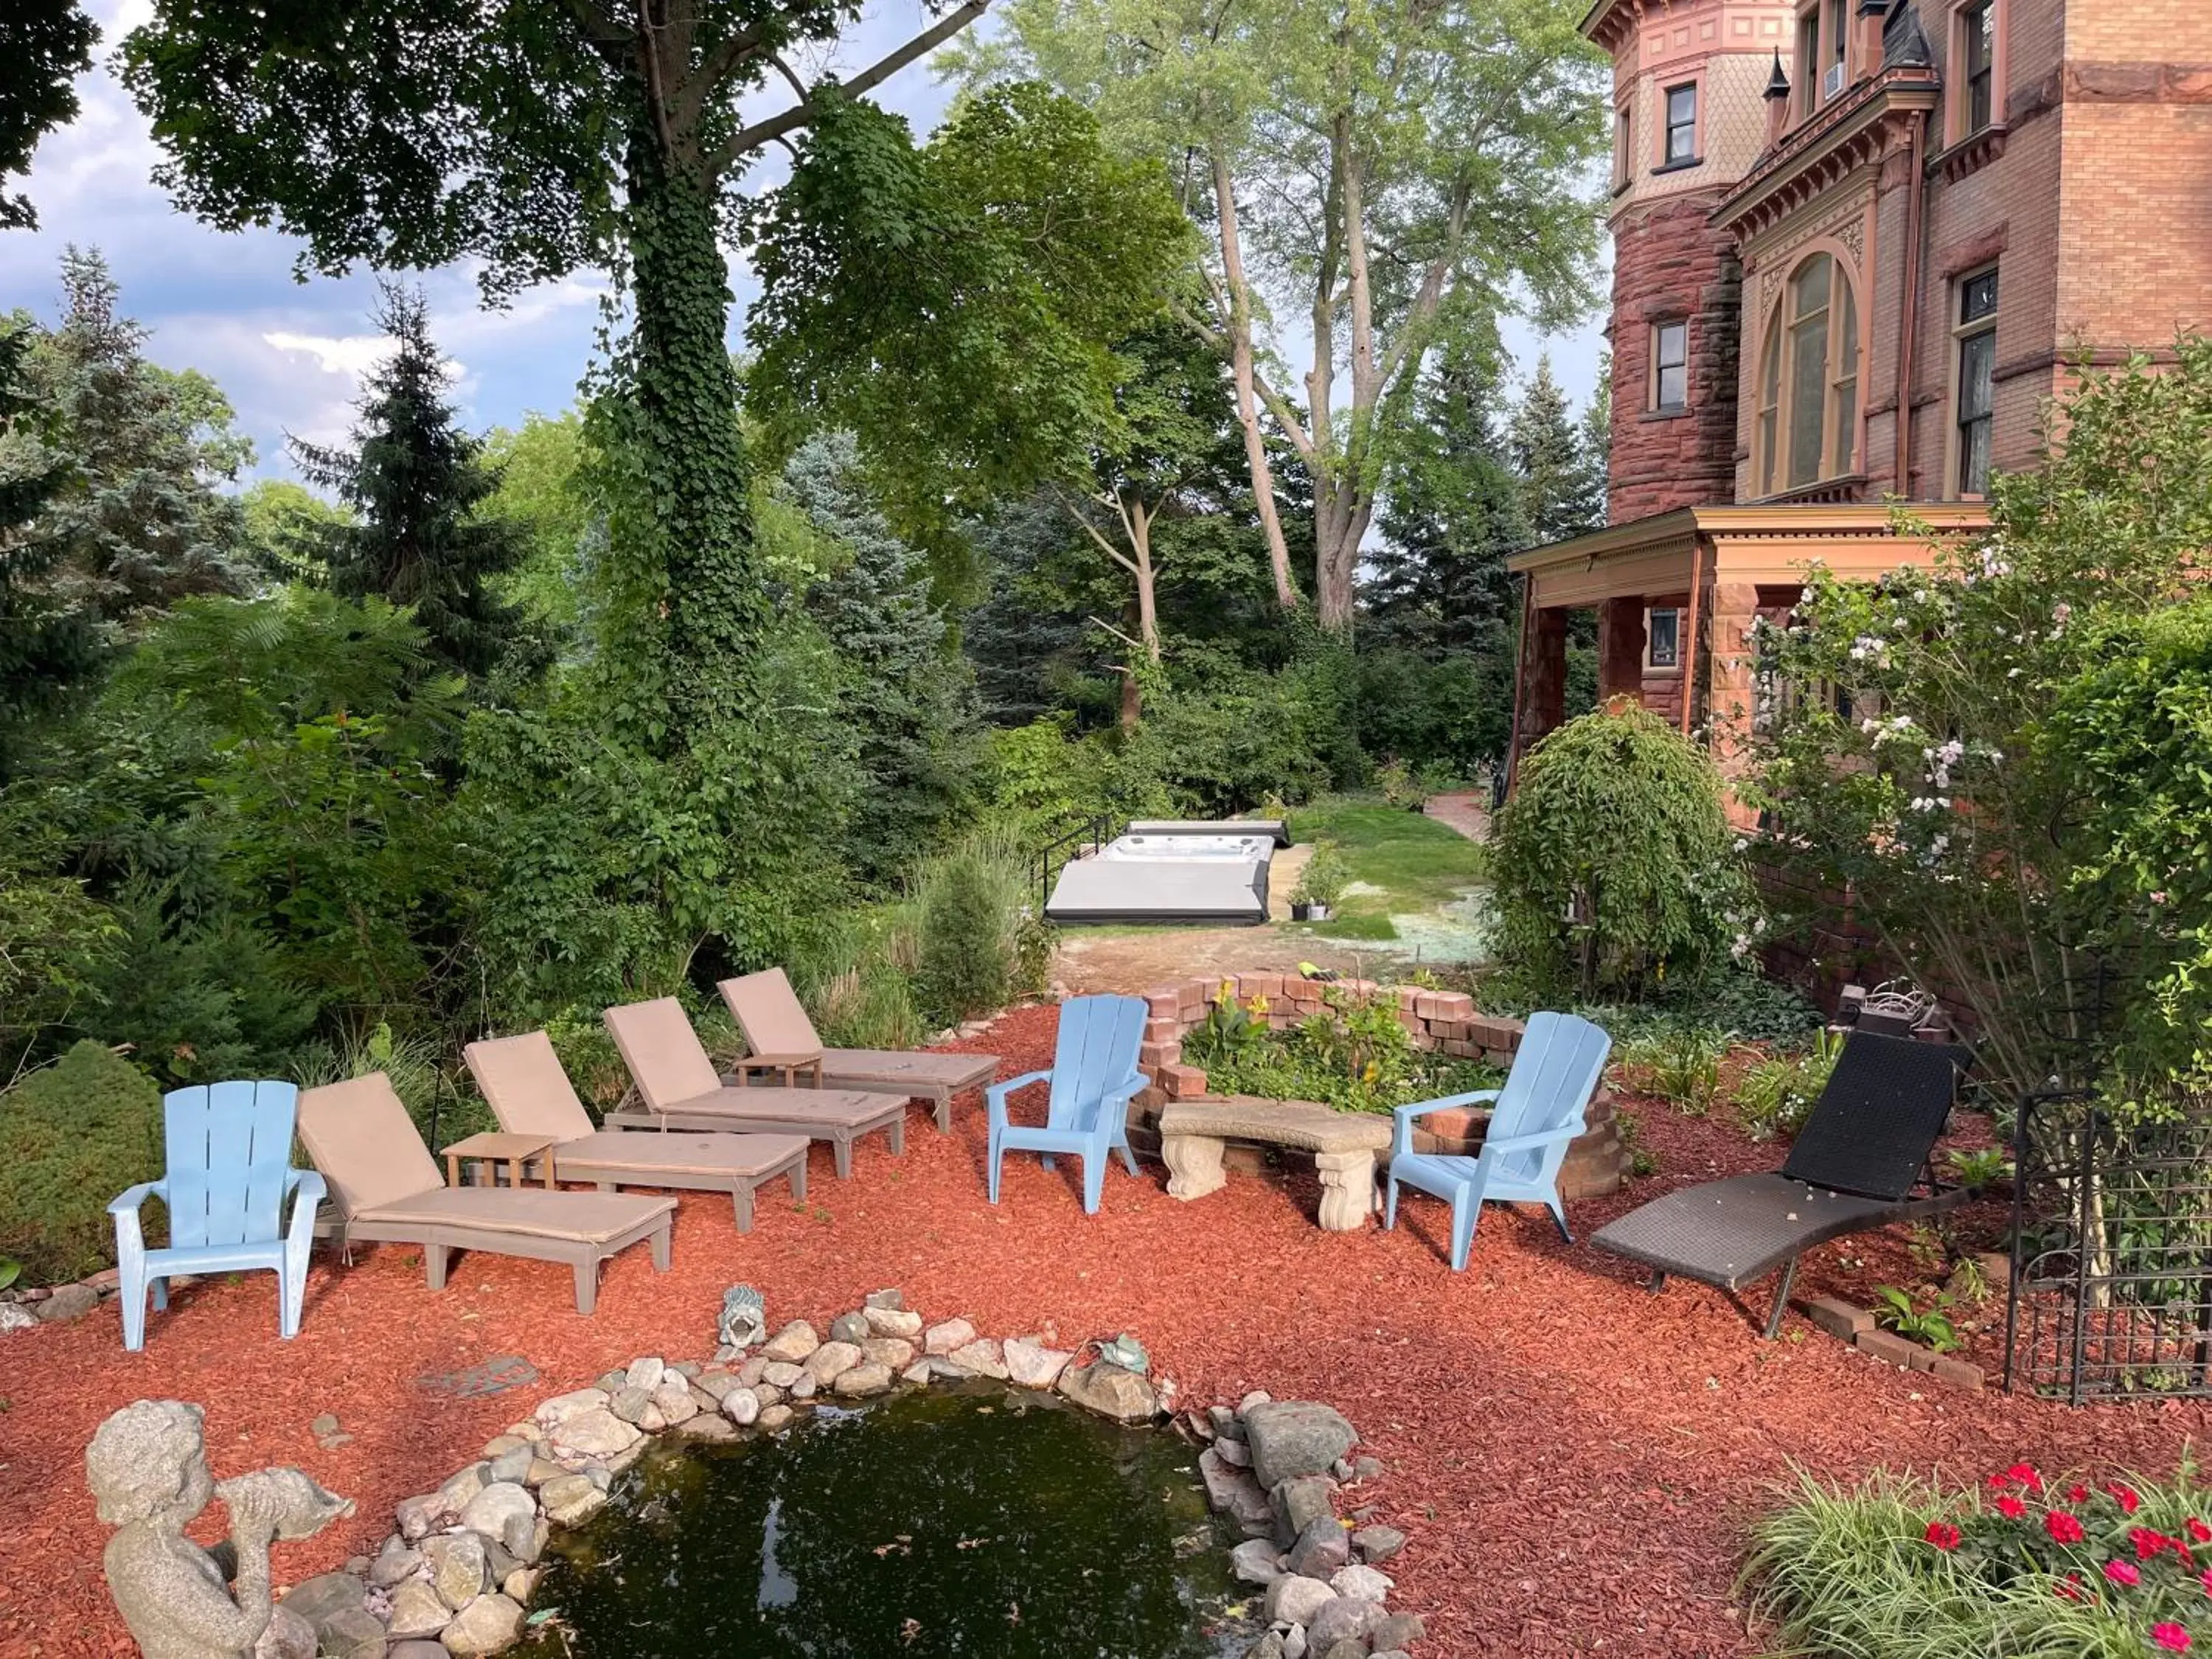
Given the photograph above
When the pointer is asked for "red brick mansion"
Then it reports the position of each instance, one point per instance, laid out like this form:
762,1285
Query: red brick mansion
1857,245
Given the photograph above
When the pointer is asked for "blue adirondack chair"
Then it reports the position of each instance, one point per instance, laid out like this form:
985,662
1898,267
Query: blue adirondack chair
1094,1072
1555,1072
229,1172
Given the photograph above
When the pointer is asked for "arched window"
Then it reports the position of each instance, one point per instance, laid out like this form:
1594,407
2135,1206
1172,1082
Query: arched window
1808,381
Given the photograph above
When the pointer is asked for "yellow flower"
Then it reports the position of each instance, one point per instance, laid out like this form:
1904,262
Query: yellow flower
1372,1072
1258,1005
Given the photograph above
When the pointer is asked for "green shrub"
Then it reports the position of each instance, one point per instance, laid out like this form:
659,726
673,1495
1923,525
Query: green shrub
1776,1094
72,1136
1324,878
1903,1569
1613,862
967,914
1680,1064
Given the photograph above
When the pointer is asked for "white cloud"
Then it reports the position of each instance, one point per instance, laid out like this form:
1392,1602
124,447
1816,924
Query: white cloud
353,354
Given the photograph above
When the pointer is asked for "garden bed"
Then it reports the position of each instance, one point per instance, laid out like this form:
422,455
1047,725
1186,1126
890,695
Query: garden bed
1573,1459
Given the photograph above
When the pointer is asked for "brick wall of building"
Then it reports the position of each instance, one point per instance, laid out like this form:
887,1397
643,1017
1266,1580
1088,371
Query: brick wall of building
1670,263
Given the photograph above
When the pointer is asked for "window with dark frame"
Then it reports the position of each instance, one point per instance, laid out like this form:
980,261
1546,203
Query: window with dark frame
1977,395
1809,62
1681,124
1670,366
1664,630
1624,126
1978,24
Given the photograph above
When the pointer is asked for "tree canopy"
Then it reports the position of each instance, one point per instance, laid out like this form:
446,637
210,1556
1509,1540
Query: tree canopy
44,44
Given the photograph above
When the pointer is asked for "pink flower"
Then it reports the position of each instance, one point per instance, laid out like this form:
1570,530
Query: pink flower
2122,1573
2171,1637
2064,1528
1943,1535
2011,1508
2197,1530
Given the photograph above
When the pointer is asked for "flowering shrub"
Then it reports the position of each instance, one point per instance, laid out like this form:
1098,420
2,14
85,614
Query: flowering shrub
1356,1057
2117,1569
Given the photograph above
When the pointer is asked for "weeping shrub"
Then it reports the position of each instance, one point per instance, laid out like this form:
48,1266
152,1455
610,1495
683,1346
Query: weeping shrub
1614,864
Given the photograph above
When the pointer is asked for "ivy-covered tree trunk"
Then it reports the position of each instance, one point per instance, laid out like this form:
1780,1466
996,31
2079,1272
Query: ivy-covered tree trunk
687,450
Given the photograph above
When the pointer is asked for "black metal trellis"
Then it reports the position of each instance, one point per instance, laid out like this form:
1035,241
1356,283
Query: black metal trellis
1070,844
2112,1259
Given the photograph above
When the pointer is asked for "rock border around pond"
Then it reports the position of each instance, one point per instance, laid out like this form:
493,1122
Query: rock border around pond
456,1576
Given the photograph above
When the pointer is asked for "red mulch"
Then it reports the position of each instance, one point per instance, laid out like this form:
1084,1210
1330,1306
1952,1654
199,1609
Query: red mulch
1574,1459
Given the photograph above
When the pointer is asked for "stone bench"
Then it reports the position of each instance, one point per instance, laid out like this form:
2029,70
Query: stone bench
1194,1134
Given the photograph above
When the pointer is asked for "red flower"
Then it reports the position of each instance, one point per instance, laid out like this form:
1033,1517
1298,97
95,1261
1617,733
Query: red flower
2171,1637
2068,1587
2122,1573
2124,1497
2078,1493
2025,1473
2149,1544
1998,1483
2205,1579
2198,1530
1942,1534
2064,1528
2010,1507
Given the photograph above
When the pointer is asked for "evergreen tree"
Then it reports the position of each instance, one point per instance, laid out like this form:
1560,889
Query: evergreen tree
141,517
46,645
1562,485
415,480
1597,436
1453,513
909,697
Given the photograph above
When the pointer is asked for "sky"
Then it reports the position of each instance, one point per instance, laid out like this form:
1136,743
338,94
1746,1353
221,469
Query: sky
291,355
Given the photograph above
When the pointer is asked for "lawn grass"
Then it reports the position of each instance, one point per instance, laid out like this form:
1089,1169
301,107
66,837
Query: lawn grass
1417,864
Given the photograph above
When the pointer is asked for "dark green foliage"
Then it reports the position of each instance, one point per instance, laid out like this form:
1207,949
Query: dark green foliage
48,645
1562,475
908,695
417,484
72,1136
962,971
44,45
197,1001
955,305
1613,862
142,519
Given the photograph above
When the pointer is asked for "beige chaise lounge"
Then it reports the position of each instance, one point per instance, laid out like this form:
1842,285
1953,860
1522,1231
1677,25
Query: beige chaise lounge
530,1093
779,1037
384,1186
678,1089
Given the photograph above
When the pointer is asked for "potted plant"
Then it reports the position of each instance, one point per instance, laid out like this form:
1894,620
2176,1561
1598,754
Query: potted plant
1320,883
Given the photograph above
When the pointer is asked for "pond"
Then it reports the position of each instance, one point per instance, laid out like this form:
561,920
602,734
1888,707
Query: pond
974,1521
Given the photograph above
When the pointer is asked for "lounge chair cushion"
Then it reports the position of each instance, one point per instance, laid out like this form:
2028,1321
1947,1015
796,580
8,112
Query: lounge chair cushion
900,1066
580,1218
664,1053
368,1150
644,1155
529,1092
769,1013
842,1108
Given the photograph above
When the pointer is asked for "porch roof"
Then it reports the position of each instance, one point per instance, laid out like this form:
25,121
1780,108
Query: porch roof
1773,543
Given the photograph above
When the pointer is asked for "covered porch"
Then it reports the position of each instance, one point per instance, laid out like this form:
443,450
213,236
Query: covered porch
1678,595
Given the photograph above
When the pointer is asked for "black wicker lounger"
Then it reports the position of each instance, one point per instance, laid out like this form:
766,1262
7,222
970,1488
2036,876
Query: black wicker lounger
1855,1166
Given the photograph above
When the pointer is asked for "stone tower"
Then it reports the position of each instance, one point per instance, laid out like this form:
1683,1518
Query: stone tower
1690,117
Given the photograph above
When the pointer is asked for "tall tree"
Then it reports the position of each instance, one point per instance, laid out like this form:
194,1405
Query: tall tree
142,514
47,646
416,483
537,138
44,44
1385,176
1452,514
1562,482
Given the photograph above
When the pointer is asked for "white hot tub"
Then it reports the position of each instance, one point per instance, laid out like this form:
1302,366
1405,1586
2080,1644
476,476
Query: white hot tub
1185,876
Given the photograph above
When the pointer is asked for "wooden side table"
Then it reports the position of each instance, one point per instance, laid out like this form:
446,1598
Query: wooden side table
495,1148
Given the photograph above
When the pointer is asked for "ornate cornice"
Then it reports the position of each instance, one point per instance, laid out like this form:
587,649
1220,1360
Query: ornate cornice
1867,123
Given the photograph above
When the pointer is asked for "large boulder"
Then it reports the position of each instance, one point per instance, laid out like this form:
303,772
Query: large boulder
1293,1600
488,1623
1320,1549
793,1343
1340,1619
418,1611
944,1338
594,1433
831,1360
460,1567
1291,1437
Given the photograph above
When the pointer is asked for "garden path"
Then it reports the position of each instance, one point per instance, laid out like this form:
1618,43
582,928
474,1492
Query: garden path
1574,1460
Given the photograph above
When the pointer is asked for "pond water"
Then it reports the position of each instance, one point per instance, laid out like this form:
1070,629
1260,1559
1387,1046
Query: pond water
977,1521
